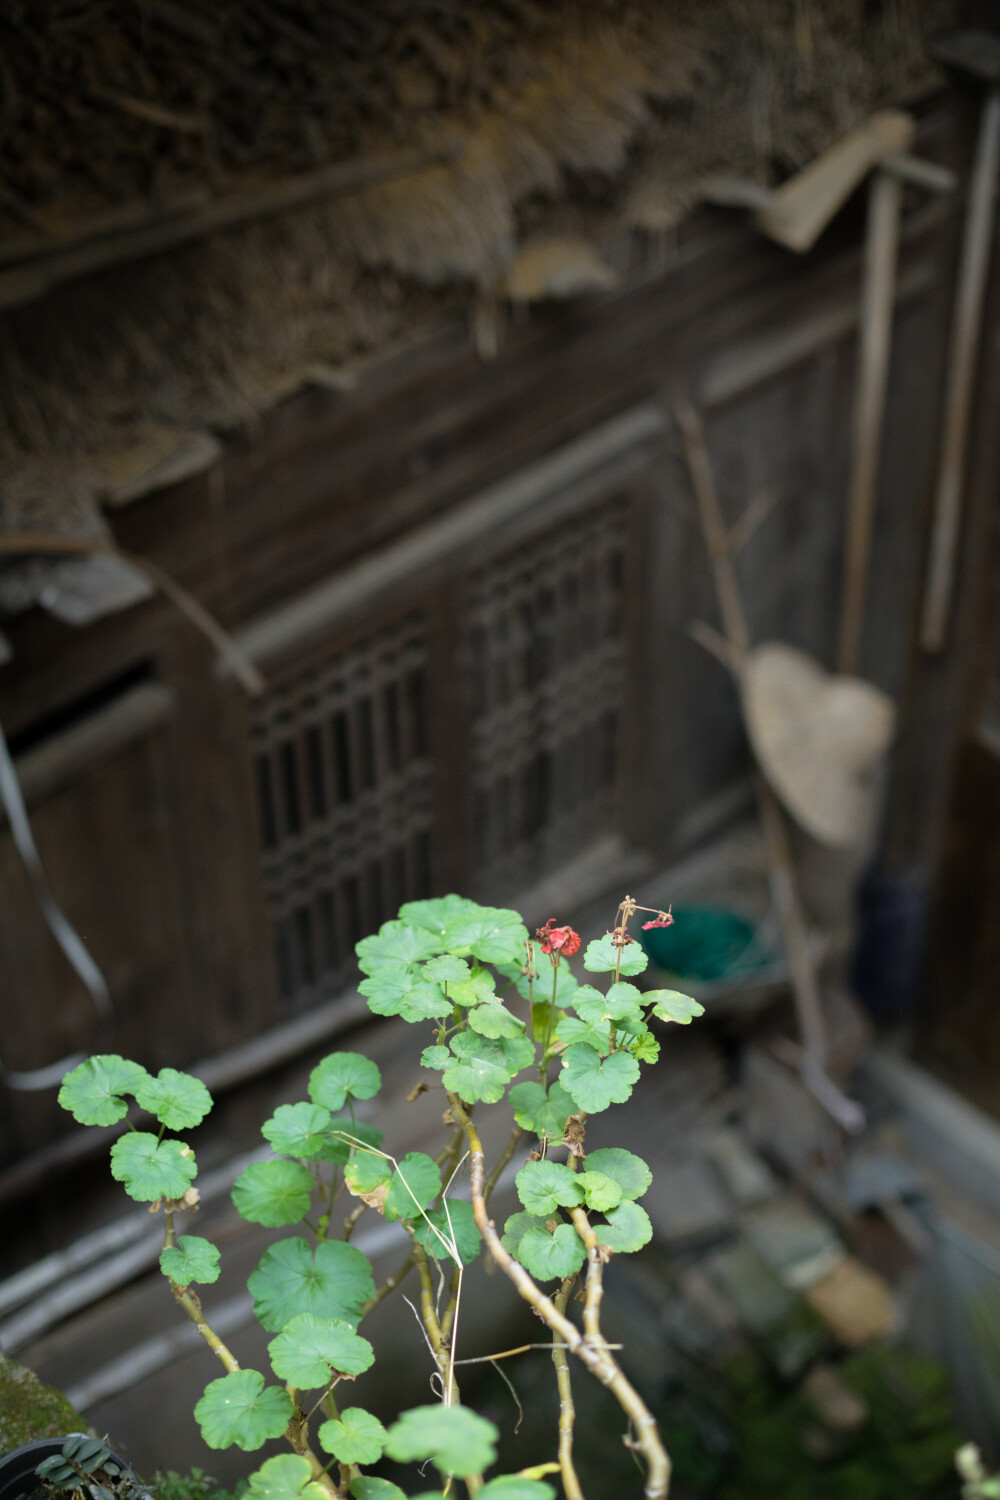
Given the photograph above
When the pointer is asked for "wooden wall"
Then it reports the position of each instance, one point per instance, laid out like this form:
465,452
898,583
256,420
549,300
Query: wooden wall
154,848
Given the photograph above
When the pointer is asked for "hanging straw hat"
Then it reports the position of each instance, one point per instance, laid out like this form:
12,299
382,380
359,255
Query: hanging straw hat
819,740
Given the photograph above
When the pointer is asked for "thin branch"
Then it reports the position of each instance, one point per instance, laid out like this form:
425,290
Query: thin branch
567,1410
508,1152
390,1285
598,1360
191,1304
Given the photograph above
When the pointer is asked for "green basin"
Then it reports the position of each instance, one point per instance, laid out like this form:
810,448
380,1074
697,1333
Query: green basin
705,942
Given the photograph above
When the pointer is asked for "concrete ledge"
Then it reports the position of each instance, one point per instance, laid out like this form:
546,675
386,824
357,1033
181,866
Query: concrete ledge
951,1135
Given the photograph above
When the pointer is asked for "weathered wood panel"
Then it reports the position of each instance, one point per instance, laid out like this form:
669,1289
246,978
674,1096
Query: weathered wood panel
108,842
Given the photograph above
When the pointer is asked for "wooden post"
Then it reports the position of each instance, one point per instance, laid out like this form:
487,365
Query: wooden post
962,359
878,291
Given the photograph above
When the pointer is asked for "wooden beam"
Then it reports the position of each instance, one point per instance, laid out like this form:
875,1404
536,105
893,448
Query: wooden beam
576,463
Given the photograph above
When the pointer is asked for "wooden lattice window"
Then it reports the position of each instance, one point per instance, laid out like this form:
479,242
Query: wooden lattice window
546,648
345,797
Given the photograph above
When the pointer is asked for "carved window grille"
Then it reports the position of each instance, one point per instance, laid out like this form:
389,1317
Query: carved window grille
345,794
546,649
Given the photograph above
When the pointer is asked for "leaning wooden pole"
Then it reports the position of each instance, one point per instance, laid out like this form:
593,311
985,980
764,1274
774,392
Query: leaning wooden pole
782,869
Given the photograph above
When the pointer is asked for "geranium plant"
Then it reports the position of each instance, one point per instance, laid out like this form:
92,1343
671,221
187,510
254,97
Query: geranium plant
506,1024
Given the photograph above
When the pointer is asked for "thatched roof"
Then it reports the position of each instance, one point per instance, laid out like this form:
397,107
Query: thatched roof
206,203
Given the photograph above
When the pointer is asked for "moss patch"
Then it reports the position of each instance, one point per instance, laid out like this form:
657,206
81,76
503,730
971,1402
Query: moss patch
29,1409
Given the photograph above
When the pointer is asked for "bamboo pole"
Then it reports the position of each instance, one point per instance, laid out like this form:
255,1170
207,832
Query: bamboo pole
783,880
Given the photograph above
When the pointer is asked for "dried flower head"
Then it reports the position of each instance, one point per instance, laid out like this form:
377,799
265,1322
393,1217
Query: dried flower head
553,939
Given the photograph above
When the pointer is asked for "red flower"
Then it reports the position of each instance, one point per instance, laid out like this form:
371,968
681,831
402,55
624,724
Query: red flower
663,919
558,939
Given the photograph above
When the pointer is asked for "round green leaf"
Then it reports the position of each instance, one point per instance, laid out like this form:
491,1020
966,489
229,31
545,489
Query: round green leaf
434,915
455,1439
240,1411
176,1099
332,1281
395,942
397,989
546,1255
486,1065
447,969
438,1058
365,1172
596,1034
473,1078
480,985
492,934
517,1051
273,1192
493,1019
671,1005
287,1477
152,1169
357,1438
343,1074
308,1348
297,1130
415,1183
370,1487
513,1487
454,1225
628,1228
644,1048
516,1228
602,1191
623,1002
602,956
191,1259
92,1091
544,1186
543,1112
592,1082
589,1005
630,1172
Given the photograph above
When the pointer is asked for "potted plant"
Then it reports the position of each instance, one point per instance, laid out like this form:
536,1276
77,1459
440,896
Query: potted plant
504,1021
78,1466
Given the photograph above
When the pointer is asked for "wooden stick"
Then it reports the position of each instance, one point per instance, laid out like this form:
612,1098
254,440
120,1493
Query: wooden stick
783,882
52,267
22,542
714,527
962,360
878,293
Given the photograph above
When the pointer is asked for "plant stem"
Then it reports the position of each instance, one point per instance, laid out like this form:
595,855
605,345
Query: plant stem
452,1308
595,1356
595,1283
297,1433
508,1152
567,1411
191,1304
390,1285
352,1219
438,1338
552,1013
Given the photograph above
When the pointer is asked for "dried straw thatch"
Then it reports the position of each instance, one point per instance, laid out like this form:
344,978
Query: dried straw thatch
572,120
